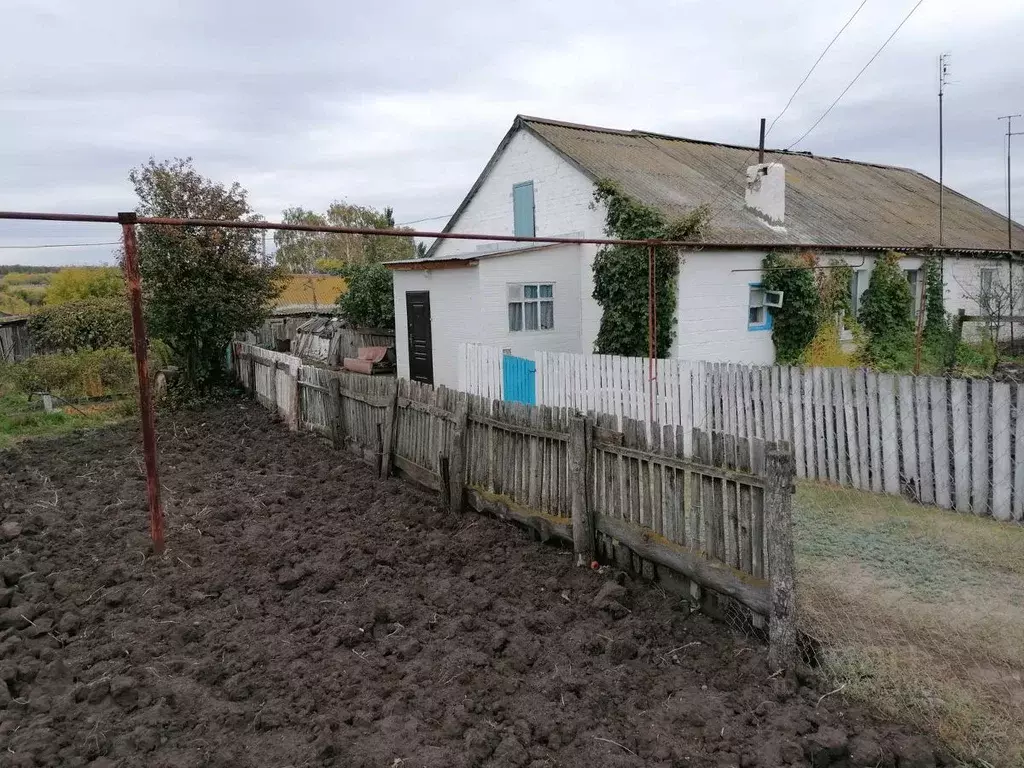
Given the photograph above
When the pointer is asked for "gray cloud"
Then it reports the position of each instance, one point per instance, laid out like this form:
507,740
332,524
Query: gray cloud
402,103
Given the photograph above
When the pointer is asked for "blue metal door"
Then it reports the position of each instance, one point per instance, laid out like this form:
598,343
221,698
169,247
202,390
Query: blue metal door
519,376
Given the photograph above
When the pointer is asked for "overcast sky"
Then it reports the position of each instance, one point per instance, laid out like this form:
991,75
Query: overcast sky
401,103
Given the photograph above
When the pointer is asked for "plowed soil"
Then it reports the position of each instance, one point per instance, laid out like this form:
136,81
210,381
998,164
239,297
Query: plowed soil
308,614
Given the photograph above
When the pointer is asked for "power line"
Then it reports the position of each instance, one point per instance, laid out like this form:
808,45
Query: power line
428,218
55,245
815,65
857,77
742,168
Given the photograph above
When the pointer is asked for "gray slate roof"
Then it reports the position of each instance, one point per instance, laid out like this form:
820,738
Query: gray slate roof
829,201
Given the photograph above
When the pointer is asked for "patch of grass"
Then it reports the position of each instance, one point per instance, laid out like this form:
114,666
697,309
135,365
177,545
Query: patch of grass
919,612
21,419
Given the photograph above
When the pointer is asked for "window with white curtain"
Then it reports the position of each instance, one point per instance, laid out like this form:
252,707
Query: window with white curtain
531,306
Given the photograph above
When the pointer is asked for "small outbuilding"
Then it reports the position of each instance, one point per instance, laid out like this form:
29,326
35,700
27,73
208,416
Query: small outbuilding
15,343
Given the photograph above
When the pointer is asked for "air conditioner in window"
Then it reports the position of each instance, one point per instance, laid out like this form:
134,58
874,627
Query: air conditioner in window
773,299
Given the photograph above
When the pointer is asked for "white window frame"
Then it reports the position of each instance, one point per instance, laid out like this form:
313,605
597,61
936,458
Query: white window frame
858,274
990,273
516,295
755,300
915,290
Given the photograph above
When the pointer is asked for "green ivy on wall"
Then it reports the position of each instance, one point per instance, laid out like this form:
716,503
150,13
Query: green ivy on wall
620,272
887,312
796,321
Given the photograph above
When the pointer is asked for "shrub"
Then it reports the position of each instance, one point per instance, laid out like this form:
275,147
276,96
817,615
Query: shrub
82,374
888,317
369,301
83,283
76,325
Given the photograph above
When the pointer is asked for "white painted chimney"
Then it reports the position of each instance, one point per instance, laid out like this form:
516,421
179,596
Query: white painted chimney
766,192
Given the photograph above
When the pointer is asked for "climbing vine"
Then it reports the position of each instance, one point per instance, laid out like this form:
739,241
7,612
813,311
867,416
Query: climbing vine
796,321
939,346
887,312
836,314
817,310
620,272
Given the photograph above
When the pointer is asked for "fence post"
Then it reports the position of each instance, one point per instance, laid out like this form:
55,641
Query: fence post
334,409
252,374
444,473
458,457
273,388
390,425
582,514
296,401
778,509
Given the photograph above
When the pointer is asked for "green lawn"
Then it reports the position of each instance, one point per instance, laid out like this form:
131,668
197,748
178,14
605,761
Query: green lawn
920,613
21,418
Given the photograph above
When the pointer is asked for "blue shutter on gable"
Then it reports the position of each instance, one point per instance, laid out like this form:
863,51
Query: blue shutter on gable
522,209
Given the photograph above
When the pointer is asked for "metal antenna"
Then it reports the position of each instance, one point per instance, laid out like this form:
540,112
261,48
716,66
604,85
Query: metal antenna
943,82
1009,215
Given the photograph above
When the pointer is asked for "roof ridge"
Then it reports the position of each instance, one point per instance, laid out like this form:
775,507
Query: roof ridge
707,142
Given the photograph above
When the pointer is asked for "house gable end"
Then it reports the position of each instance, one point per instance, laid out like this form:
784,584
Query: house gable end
562,198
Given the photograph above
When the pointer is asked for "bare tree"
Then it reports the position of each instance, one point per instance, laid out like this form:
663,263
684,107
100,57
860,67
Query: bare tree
998,300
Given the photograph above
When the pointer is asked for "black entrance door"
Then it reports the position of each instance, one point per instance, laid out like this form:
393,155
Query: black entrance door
421,352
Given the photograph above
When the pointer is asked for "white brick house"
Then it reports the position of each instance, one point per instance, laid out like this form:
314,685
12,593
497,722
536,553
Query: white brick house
528,297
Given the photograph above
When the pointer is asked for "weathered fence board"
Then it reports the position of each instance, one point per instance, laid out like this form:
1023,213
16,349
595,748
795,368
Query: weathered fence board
960,414
880,432
1002,484
908,435
979,446
926,469
940,441
645,496
889,433
1018,465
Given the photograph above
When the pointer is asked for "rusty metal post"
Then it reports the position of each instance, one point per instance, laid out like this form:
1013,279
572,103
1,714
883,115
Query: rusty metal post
140,345
652,330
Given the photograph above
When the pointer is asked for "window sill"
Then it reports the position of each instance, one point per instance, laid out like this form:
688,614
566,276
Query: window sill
765,327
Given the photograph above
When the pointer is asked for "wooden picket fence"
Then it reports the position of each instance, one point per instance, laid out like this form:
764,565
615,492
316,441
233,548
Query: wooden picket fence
952,442
616,489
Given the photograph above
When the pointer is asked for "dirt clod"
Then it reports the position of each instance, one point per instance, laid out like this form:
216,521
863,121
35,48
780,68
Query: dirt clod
827,746
307,613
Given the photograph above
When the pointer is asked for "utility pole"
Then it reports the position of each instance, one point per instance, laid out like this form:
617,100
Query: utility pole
922,284
1009,219
943,81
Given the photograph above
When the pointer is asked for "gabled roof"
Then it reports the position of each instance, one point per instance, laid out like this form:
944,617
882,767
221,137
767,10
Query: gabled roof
829,201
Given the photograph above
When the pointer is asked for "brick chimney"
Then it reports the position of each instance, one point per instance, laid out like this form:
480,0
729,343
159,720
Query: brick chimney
766,192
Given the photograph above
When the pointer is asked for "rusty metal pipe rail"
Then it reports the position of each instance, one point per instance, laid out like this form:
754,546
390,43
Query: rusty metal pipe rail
688,244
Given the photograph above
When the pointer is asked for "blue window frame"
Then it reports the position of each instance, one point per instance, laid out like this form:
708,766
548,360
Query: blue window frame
522,210
759,317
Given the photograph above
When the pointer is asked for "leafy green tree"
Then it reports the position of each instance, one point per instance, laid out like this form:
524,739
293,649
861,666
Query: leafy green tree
300,251
795,323
369,301
297,251
86,324
81,283
202,284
